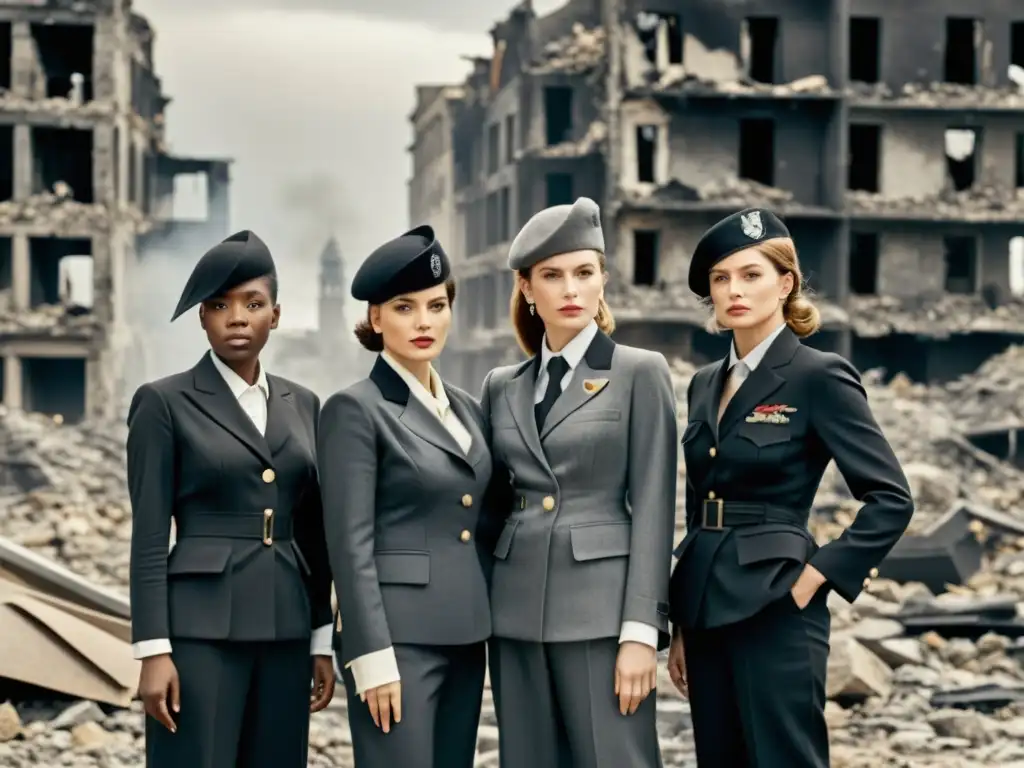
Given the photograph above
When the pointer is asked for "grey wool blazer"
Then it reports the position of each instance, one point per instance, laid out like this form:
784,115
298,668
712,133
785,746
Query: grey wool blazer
583,512
401,505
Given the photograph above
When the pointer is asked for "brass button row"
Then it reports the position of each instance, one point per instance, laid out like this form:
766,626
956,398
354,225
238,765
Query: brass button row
268,475
467,501
711,495
713,452
465,537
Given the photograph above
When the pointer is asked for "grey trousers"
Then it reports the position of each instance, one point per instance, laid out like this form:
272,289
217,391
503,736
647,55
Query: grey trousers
557,708
243,705
442,690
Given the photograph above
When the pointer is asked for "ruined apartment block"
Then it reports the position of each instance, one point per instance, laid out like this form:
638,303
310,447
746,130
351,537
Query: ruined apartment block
84,174
888,134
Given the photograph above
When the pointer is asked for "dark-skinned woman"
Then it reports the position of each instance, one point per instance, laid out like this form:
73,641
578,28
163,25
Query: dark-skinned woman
234,623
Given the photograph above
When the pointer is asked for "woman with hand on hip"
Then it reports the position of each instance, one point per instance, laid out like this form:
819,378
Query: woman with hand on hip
225,623
404,466
748,594
584,441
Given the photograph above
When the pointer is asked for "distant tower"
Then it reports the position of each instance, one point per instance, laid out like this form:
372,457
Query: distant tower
332,295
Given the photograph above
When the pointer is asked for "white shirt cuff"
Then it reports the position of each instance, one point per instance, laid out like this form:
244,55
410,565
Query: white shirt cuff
146,648
321,642
638,632
373,670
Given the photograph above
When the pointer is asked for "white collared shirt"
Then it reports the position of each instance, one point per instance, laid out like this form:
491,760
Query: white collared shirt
377,668
253,400
573,353
740,369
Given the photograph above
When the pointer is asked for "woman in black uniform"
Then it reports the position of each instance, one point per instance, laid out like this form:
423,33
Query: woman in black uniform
748,594
226,623
404,466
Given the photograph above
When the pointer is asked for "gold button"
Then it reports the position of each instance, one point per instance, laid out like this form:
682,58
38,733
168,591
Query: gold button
874,573
549,503
269,540
867,583
268,475
465,536
713,452
711,494
467,500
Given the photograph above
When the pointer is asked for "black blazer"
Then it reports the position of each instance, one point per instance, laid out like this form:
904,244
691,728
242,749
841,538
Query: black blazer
761,473
250,562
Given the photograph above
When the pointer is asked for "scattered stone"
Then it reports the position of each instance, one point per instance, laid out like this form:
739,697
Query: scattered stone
10,722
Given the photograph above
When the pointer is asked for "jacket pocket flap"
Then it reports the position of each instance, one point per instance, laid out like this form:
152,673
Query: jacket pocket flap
194,557
595,541
771,545
504,545
763,435
403,567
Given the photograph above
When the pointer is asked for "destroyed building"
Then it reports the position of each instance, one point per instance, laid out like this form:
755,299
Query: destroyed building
888,136
87,184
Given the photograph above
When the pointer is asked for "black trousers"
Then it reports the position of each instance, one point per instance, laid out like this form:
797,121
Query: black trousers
442,691
243,705
757,688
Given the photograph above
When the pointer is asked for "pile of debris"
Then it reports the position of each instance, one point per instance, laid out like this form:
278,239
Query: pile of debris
939,95
935,317
55,106
725,193
577,53
812,86
593,141
54,319
983,202
64,215
994,393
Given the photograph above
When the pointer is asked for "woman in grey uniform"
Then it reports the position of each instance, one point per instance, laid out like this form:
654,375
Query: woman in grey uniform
404,466
584,441
748,594
225,623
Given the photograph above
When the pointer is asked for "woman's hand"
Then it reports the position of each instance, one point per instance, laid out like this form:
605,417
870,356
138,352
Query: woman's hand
636,674
323,683
677,664
385,703
806,586
159,688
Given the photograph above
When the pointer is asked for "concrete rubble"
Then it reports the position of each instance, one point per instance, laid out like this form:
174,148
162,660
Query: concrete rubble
675,79
61,107
948,96
579,52
62,493
54,319
983,202
936,317
61,212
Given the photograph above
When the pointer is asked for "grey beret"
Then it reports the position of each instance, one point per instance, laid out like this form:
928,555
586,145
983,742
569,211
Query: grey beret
555,230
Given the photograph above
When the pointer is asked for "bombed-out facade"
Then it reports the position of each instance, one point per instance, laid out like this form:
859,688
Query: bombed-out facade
86,182
889,135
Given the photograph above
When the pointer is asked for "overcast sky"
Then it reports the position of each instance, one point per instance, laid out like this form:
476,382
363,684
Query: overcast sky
311,99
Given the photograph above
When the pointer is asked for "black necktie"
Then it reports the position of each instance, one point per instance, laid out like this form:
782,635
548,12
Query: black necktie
557,368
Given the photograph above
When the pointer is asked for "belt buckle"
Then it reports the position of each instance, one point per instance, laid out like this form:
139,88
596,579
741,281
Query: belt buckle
719,515
268,527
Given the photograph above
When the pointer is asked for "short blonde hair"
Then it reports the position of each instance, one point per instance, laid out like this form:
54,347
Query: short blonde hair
529,328
799,312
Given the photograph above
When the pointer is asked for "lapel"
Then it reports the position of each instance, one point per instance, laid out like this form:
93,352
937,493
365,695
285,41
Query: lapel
415,415
281,414
712,396
213,397
597,358
478,448
762,382
519,392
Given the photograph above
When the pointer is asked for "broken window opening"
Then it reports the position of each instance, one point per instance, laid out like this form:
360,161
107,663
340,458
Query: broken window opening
961,256
646,150
1017,266
57,274
1019,161
6,54
493,148
557,114
645,256
559,189
962,157
491,217
6,162
1017,43
54,385
62,163
963,38
510,139
864,157
6,266
760,40
660,31
504,215
65,61
864,253
757,150
191,197
865,49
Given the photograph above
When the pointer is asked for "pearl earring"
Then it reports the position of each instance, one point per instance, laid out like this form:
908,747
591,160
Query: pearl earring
533,310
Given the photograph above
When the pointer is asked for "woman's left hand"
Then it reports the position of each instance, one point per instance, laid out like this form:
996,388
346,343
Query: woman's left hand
806,586
636,674
323,683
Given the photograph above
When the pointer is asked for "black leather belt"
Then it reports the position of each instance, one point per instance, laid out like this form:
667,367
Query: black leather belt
265,526
718,514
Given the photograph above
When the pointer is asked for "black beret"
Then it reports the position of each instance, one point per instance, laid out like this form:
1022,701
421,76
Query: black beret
233,261
733,233
411,262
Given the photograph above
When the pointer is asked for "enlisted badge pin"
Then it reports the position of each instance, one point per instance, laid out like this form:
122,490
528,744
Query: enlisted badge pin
593,386
770,414
752,225
435,265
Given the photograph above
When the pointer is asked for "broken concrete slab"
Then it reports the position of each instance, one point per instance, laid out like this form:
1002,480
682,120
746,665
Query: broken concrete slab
854,672
948,554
